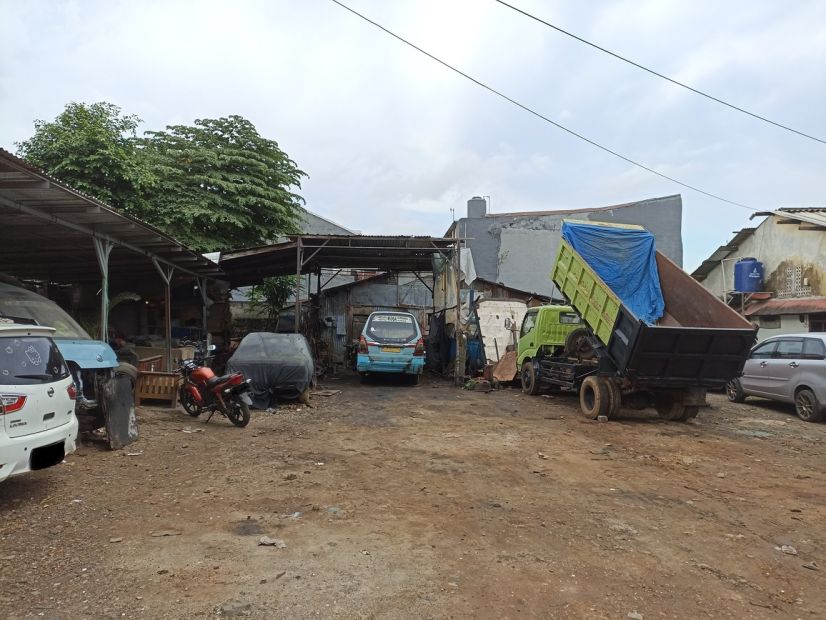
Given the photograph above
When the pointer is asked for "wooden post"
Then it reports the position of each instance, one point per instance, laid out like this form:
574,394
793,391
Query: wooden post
167,273
461,356
299,257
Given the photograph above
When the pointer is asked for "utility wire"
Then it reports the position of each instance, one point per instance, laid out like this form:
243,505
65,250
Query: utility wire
544,118
660,75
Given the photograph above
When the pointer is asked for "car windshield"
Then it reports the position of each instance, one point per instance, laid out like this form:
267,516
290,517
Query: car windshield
28,360
30,307
389,327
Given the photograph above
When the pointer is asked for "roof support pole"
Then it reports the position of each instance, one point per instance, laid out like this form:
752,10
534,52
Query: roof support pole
166,274
202,288
103,248
299,263
459,366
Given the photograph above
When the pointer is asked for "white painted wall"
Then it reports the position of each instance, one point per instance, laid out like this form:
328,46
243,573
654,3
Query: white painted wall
789,324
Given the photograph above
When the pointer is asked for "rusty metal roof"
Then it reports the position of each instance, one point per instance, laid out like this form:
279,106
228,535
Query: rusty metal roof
721,253
48,228
809,218
388,253
801,305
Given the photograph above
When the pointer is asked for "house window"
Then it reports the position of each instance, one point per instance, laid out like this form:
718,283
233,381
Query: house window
817,322
769,322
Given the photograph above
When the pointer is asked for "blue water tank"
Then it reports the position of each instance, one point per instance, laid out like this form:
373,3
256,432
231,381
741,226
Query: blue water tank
748,275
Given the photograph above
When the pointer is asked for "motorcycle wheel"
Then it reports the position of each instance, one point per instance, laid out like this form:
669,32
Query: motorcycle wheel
189,404
239,413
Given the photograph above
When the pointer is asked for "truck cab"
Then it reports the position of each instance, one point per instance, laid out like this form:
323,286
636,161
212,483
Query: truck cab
545,329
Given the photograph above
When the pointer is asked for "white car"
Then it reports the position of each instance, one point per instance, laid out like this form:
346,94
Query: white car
38,426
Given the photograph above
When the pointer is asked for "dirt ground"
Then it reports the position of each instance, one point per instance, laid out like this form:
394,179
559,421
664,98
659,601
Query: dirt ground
428,502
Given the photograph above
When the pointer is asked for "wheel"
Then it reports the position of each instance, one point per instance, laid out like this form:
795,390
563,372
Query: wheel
189,403
363,377
129,370
530,384
414,379
807,407
671,409
594,399
735,392
304,398
578,344
238,413
614,399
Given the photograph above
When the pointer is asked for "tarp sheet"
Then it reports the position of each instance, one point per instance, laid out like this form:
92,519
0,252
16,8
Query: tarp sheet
278,364
625,260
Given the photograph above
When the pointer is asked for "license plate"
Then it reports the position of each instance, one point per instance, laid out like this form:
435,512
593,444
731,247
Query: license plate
391,349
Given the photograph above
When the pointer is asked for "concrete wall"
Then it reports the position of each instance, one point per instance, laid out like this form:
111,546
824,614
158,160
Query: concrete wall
789,324
519,250
777,246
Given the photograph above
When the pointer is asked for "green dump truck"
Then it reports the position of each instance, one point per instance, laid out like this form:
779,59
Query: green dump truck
697,342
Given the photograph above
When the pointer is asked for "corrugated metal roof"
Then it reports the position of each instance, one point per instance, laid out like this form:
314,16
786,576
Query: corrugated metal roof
802,305
48,229
721,253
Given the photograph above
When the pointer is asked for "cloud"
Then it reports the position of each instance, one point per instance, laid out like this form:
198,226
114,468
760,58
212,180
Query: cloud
392,141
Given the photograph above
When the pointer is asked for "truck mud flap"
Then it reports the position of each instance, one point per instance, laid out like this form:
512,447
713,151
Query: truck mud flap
118,401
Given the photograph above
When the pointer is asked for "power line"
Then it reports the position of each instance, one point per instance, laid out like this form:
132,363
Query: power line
660,75
544,118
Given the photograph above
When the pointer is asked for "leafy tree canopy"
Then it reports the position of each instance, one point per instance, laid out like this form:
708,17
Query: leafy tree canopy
221,184
92,148
214,185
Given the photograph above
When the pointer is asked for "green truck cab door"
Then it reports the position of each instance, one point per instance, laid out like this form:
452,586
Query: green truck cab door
528,336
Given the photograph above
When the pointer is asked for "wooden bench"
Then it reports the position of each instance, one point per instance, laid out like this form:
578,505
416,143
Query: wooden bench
150,364
157,386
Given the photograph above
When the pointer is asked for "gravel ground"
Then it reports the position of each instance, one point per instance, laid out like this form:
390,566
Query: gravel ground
428,502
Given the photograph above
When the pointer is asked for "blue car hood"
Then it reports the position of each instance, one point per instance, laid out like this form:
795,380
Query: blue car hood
87,353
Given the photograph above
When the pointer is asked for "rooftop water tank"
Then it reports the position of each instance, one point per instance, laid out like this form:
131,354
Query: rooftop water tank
748,275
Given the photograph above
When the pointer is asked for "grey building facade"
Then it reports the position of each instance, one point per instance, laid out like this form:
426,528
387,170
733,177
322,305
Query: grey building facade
519,249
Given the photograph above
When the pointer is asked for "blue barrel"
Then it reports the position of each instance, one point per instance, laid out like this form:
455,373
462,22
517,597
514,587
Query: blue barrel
748,275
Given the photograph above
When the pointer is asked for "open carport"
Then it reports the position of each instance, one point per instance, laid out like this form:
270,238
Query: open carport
53,233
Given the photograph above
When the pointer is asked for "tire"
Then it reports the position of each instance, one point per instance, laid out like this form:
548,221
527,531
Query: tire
672,410
578,344
188,403
807,407
614,399
304,398
129,370
239,413
414,379
735,392
530,385
594,399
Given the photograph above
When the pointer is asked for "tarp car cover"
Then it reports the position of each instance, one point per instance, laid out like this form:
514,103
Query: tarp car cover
625,260
278,364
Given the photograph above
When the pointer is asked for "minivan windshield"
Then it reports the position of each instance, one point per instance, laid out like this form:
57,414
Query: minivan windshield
29,360
16,302
396,328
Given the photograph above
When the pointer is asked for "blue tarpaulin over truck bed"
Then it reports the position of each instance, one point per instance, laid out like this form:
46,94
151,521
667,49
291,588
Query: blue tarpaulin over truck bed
625,260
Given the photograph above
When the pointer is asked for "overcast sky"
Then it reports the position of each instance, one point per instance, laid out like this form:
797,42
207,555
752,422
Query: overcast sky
392,141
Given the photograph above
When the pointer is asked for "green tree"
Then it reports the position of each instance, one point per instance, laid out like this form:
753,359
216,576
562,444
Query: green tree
92,148
221,185
269,297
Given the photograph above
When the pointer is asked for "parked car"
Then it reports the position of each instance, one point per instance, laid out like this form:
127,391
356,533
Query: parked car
391,342
789,369
38,427
280,366
104,385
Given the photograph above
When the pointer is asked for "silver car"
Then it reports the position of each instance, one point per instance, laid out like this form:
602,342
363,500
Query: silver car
790,369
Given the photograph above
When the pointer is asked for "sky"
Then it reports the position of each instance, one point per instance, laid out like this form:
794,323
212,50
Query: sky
392,141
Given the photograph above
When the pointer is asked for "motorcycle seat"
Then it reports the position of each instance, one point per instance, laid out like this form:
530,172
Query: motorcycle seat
213,381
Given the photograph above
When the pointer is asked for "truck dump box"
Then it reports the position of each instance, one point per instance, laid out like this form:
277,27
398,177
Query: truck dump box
698,341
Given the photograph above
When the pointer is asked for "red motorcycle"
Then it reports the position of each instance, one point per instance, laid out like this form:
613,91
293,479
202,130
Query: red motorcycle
202,390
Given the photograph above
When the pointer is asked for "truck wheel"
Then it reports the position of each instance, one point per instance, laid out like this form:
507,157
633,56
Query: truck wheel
578,345
530,384
593,397
614,399
735,392
675,411
807,407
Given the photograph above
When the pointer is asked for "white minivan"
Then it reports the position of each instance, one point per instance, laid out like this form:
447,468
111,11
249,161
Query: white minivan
38,426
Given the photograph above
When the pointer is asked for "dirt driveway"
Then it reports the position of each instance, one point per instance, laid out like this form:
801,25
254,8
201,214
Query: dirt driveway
428,502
